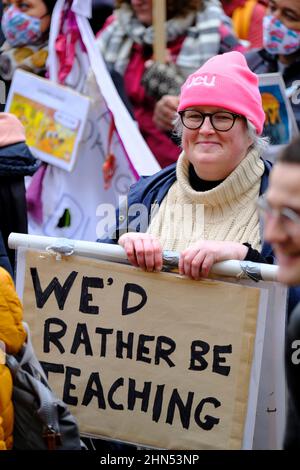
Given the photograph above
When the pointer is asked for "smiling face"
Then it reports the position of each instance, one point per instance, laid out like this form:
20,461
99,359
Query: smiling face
284,192
35,8
214,154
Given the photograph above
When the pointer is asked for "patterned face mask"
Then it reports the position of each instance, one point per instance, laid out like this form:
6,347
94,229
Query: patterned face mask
278,39
20,29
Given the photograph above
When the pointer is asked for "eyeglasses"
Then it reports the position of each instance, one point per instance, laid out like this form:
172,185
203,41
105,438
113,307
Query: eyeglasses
221,121
287,217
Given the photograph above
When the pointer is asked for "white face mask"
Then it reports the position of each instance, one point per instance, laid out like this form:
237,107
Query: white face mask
278,39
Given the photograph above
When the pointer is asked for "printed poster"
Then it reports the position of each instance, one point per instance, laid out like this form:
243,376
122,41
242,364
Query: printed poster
54,117
280,124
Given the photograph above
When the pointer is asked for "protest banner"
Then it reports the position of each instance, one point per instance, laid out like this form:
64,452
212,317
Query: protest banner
112,153
148,358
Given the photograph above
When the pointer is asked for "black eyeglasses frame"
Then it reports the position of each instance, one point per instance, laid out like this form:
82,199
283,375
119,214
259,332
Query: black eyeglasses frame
210,115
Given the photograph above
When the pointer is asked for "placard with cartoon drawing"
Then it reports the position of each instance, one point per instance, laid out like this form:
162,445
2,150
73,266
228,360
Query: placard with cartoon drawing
280,124
54,117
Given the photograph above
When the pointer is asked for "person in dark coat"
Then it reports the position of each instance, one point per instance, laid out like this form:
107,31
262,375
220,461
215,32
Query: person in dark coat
281,209
26,27
16,162
207,173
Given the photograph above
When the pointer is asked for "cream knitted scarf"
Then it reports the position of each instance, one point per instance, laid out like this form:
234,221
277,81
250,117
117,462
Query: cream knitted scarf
224,213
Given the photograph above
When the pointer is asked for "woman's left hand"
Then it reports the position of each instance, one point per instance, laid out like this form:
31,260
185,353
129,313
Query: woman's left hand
197,260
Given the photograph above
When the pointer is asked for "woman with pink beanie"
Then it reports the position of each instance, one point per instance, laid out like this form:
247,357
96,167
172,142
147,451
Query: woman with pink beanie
207,200
195,30
16,161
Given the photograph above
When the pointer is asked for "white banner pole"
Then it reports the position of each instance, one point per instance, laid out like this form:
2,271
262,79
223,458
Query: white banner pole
110,252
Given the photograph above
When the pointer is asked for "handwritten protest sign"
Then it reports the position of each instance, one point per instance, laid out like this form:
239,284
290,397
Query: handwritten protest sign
144,357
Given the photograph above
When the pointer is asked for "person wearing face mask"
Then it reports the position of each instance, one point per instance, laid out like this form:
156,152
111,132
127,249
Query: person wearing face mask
281,52
25,25
247,18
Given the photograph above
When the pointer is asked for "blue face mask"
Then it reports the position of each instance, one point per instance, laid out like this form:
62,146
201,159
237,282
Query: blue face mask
19,28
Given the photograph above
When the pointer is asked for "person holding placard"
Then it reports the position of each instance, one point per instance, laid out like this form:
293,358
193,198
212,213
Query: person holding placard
195,29
281,210
219,176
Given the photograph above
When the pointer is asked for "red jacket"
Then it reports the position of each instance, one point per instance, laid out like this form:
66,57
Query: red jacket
164,149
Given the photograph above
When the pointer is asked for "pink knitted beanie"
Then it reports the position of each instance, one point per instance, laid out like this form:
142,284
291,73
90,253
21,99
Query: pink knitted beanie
11,130
225,81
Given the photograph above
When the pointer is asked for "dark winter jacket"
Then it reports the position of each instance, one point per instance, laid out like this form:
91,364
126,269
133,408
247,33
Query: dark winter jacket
260,61
151,190
16,161
292,365
4,261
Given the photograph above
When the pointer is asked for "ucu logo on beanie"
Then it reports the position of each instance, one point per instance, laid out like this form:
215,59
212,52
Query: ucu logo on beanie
201,80
226,82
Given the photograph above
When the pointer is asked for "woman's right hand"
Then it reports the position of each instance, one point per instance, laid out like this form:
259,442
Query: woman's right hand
143,250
